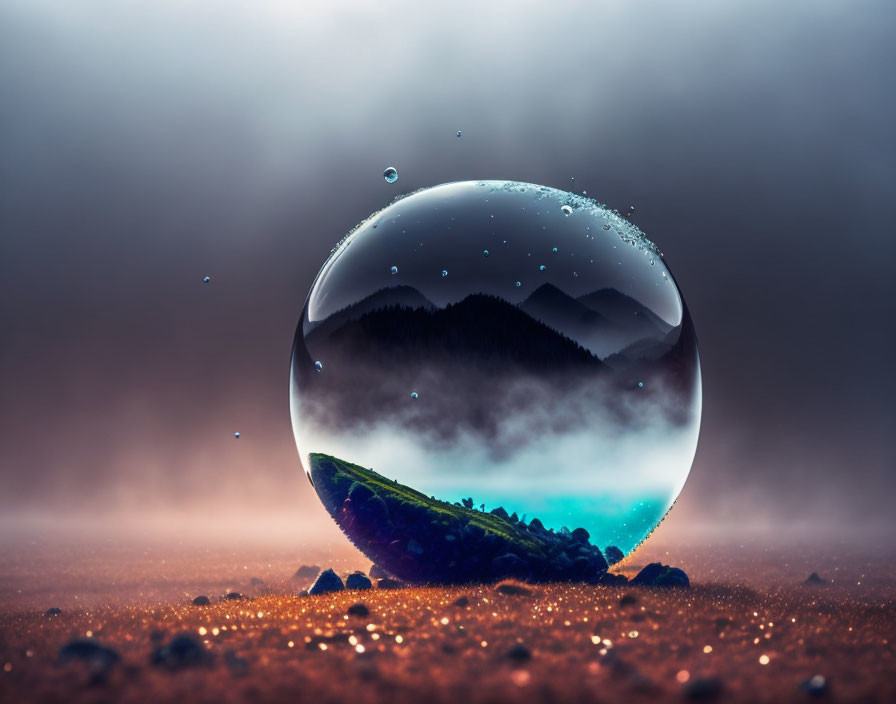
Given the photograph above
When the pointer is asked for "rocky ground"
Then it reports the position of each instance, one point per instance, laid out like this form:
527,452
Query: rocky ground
749,630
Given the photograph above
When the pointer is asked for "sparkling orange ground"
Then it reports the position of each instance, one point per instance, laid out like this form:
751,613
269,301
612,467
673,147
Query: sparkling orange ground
747,607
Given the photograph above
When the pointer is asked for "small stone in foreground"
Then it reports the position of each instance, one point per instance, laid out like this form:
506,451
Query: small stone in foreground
233,596
360,610
184,650
201,600
256,581
307,572
358,580
461,602
815,578
326,582
513,588
659,575
703,689
88,650
389,583
628,600
815,686
53,611
519,653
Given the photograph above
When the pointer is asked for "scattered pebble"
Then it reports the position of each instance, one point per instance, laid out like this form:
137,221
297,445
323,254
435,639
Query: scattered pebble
201,600
326,582
307,572
53,611
233,596
360,610
390,583
519,653
703,689
461,602
628,600
513,588
815,578
184,650
358,580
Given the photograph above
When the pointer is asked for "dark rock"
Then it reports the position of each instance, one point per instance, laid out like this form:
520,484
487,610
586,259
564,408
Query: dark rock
814,578
201,600
511,588
519,653
377,572
326,582
303,593
467,503
233,596
581,535
360,610
53,611
461,602
389,583
90,651
184,650
500,513
659,575
358,580
536,526
703,689
613,555
608,579
239,667
815,686
628,600
307,572
256,581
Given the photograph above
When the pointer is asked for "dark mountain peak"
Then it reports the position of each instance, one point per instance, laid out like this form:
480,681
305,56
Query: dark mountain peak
625,311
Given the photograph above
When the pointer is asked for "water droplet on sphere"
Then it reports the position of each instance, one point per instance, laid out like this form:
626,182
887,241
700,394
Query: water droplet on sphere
542,267
394,270
554,250
566,209
459,133
444,272
390,174
236,435
206,279
318,366
485,252
517,284
414,394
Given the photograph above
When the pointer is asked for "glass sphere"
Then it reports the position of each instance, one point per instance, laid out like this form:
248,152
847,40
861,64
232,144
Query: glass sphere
510,400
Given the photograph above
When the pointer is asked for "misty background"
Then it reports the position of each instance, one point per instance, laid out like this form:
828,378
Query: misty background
144,146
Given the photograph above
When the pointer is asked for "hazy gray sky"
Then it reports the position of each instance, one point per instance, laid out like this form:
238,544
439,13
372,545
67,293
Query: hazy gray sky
145,145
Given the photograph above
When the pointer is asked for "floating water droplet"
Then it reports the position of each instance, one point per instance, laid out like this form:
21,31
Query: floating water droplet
542,267
414,394
517,284
664,275
567,210
390,174
318,366
206,279
485,252
394,270
554,250
236,435
459,133
444,272
640,384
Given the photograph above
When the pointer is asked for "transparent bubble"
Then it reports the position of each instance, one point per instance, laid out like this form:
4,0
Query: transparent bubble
236,435
459,133
390,174
319,366
206,279
572,397
394,270
566,209
444,272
